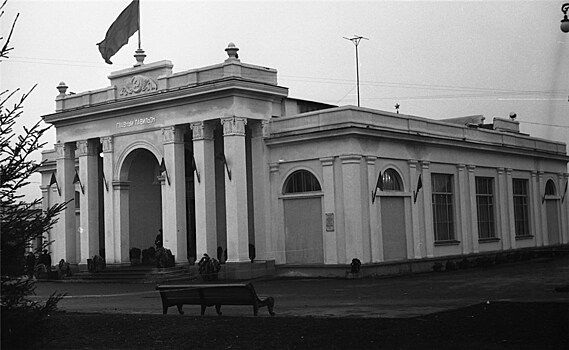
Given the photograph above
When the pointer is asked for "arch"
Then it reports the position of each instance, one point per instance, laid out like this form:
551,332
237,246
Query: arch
392,181
126,157
550,189
301,181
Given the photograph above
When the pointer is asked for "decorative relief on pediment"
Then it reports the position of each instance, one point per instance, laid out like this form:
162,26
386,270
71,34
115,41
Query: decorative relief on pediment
138,84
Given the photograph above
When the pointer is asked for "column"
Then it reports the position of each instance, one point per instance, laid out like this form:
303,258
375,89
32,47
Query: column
417,242
108,198
206,231
236,189
65,231
174,222
376,239
428,209
89,199
353,208
329,239
473,208
463,209
510,205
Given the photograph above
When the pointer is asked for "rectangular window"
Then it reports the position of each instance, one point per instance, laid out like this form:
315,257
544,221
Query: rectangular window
443,211
485,207
521,200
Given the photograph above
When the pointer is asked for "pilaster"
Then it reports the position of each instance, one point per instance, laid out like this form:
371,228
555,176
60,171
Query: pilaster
428,209
474,234
463,208
375,234
535,205
329,239
108,198
510,206
503,209
541,207
353,208
416,231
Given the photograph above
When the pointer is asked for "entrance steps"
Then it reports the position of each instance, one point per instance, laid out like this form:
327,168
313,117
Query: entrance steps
134,274
182,273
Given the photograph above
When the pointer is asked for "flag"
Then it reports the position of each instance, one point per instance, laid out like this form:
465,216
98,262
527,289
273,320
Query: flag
126,24
195,168
379,183
53,180
419,186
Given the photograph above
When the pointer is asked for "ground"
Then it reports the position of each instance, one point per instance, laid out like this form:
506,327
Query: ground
519,305
500,325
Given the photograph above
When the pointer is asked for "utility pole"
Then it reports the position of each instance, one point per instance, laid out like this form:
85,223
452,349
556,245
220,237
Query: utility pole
356,40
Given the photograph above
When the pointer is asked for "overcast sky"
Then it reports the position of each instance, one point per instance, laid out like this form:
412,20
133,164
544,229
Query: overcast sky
436,59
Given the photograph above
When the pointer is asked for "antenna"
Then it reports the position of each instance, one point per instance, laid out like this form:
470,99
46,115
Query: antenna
356,40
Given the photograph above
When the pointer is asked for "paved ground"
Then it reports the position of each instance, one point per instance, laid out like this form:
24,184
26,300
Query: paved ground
403,296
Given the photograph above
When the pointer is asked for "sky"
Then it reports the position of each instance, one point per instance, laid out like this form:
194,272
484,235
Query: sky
435,59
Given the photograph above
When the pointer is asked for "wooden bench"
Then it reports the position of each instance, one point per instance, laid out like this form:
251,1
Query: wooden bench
212,295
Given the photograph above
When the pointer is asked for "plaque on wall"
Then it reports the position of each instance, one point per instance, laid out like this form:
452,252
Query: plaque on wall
329,222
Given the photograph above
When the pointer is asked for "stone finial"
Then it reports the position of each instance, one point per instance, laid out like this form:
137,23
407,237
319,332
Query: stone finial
140,56
62,88
232,52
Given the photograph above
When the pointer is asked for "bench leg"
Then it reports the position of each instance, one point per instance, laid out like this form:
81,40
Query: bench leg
255,309
270,305
218,309
180,308
203,309
164,309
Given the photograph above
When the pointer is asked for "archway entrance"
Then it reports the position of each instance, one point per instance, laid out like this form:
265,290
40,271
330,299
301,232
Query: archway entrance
145,199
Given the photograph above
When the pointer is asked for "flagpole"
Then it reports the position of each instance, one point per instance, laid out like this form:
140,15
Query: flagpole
139,42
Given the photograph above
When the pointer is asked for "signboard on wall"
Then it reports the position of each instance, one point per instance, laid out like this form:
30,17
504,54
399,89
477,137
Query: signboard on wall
329,222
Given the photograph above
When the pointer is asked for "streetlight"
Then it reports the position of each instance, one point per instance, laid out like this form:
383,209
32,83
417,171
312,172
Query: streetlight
565,21
356,40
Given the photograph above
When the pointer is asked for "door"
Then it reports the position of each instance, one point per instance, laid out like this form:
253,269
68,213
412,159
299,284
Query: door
303,231
393,228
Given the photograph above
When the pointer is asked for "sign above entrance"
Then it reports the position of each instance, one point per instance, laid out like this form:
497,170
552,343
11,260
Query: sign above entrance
135,122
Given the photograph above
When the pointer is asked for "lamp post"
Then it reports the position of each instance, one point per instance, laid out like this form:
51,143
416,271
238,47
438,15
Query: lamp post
356,40
565,21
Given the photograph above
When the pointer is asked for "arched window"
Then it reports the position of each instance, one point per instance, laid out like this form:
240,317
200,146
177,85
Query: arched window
301,181
392,181
550,188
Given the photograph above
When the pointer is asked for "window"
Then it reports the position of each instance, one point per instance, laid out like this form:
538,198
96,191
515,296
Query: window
521,217
550,188
301,181
391,181
485,207
443,211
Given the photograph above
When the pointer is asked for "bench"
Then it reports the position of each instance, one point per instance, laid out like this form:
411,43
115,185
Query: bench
212,295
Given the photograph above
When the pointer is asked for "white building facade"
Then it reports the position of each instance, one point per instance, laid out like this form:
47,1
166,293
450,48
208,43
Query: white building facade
221,159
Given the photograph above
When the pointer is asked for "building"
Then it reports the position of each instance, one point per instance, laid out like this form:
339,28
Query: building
220,158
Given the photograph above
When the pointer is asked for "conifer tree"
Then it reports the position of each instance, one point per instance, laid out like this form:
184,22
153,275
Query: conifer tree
20,222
